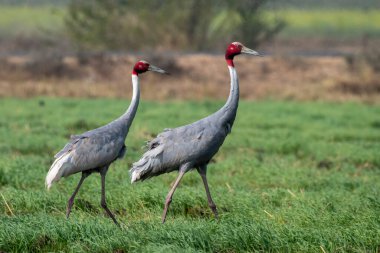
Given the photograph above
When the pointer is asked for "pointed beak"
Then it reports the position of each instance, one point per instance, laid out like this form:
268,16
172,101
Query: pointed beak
157,69
246,50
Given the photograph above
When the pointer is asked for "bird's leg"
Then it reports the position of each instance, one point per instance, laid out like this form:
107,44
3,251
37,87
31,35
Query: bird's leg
202,170
170,194
103,203
71,199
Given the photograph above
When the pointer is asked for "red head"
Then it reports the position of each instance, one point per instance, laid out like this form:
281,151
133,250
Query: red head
236,48
143,66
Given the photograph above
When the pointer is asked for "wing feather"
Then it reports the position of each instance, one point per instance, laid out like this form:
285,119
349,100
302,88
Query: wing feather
70,145
172,148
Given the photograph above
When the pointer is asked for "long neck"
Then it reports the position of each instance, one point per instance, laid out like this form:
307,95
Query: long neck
227,113
127,118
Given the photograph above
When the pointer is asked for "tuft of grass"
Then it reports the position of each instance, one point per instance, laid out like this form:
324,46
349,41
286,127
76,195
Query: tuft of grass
292,176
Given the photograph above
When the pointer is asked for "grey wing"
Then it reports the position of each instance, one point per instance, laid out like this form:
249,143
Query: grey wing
93,150
70,145
151,163
75,139
63,164
98,150
195,144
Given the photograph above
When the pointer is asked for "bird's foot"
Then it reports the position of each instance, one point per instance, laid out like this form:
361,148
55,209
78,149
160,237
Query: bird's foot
215,213
69,206
68,213
214,210
110,214
164,217
167,204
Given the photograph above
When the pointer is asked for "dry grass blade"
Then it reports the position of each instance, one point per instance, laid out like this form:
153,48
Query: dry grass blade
6,204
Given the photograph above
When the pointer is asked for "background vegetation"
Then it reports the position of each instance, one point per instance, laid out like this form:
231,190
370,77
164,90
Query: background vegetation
195,24
16,20
190,25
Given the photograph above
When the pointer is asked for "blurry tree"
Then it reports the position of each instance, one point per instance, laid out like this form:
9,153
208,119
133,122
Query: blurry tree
168,24
242,20
94,23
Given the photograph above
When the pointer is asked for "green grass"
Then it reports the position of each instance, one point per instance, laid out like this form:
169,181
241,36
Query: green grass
292,177
349,23
26,20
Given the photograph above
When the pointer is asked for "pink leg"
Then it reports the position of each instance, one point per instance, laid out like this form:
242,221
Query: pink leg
202,171
70,203
170,194
103,203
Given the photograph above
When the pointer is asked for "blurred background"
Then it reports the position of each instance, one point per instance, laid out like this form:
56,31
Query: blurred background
315,50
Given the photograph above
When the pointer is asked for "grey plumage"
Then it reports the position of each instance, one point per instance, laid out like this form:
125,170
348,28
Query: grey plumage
95,150
192,146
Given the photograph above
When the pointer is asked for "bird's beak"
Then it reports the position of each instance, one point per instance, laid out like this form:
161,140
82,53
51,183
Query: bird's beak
157,69
246,50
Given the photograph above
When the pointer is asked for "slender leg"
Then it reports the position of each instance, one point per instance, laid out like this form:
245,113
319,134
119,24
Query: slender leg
202,170
170,194
71,199
103,203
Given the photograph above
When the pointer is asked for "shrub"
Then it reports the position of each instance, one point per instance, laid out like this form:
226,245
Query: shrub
365,73
170,24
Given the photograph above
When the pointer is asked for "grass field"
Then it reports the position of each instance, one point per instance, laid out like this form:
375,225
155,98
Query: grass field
31,21
348,23
292,176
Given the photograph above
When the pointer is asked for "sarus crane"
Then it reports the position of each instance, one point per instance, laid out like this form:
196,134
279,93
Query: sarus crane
95,150
192,146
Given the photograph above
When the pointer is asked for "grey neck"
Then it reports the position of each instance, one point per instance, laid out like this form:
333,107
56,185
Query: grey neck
126,119
227,113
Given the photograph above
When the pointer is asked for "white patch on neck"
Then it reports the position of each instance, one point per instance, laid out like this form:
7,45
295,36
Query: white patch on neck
233,76
136,87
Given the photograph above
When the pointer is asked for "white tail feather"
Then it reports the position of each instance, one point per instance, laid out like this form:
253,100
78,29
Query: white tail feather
134,176
57,169
148,164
